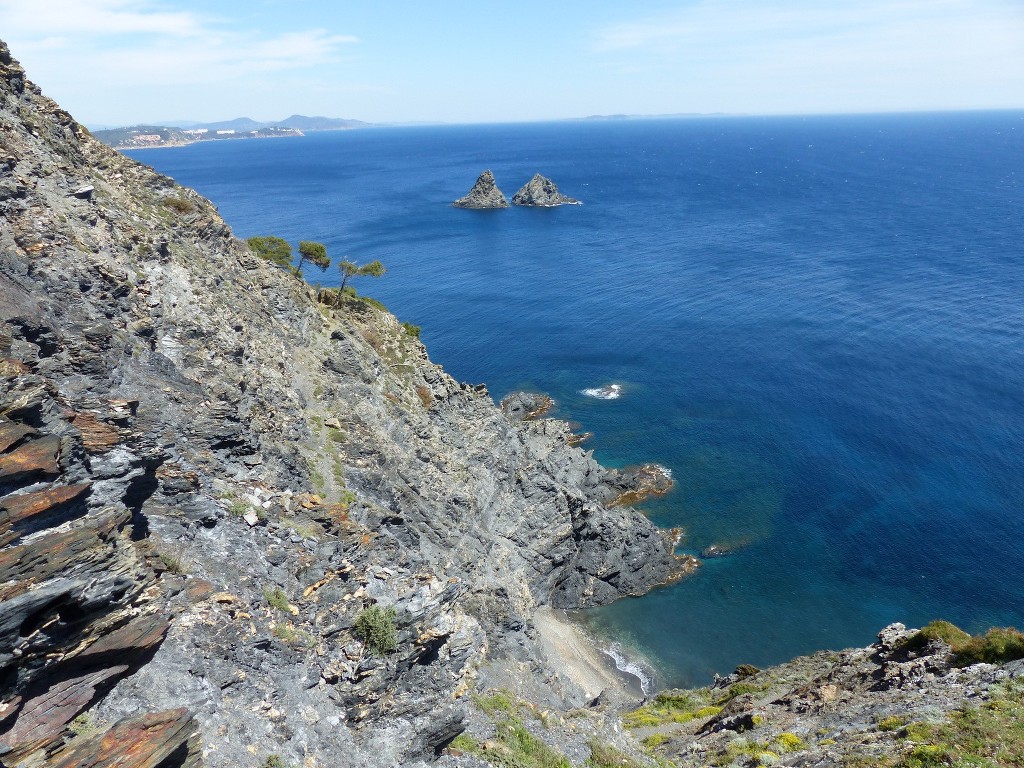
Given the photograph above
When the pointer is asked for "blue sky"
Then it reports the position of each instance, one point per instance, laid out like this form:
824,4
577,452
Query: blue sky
128,61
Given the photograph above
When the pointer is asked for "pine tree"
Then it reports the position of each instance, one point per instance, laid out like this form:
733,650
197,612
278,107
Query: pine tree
351,269
314,252
273,249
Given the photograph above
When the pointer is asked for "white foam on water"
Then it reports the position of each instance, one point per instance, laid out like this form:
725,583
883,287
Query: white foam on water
628,667
608,392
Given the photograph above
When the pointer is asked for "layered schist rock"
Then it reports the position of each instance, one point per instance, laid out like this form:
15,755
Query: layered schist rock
207,476
80,603
541,192
484,194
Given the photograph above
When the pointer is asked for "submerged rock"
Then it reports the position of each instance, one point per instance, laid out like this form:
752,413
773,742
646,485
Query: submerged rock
484,194
541,192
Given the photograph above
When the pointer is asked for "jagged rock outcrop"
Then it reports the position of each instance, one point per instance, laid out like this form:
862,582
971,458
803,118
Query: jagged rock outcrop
541,192
207,476
484,194
853,707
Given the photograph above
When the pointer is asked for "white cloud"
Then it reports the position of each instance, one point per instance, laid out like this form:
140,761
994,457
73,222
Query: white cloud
846,54
110,60
94,17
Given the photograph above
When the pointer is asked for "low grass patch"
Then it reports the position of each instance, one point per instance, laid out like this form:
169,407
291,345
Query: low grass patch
655,740
425,395
289,634
606,756
763,752
307,529
83,726
891,723
989,735
684,706
238,508
513,745
497,703
172,561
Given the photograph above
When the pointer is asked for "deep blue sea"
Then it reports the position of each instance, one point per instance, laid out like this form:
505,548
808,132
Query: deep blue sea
817,324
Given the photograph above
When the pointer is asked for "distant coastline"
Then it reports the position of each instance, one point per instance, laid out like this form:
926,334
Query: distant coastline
159,136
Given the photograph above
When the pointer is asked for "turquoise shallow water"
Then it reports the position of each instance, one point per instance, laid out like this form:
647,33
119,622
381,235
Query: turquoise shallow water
817,323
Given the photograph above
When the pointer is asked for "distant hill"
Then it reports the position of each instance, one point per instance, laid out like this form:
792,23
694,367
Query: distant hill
190,132
303,123
238,124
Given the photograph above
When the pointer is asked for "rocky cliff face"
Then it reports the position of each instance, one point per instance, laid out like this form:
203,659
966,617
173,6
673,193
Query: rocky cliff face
542,192
207,476
484,194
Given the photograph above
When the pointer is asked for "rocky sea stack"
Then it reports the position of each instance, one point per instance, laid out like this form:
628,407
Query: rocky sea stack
484,194
541,192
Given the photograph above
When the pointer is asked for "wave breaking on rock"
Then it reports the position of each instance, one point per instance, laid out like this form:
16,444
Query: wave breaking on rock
607,392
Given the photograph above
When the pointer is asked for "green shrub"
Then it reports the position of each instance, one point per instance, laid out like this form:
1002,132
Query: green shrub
789,742
238,508
272,249
746,670
949,633
179,204
997,646
412,330
276,598
375,626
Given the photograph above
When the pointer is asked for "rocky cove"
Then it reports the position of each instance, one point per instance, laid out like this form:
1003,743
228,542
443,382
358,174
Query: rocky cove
209,477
